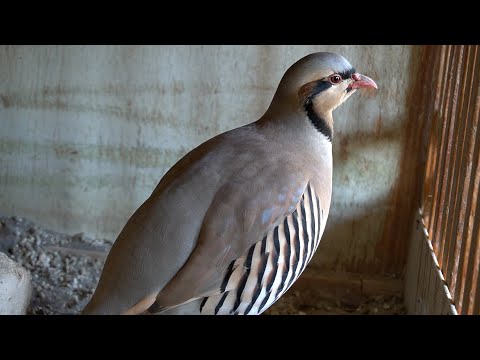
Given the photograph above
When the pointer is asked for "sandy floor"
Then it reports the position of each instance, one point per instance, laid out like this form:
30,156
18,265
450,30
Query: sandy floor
65,270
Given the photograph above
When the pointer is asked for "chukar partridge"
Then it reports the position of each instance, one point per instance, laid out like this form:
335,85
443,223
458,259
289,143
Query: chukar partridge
232,225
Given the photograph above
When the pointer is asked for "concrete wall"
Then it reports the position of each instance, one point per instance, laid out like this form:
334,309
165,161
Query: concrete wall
87,131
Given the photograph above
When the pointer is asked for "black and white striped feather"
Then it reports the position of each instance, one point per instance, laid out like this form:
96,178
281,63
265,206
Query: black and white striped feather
253,282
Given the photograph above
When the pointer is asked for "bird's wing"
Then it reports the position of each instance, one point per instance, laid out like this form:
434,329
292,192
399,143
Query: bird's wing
253,282
255,241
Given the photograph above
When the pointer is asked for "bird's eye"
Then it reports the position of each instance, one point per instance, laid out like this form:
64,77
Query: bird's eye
335,79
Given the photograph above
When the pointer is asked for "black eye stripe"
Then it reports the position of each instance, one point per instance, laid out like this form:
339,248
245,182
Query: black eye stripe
347,74
320,86
323,84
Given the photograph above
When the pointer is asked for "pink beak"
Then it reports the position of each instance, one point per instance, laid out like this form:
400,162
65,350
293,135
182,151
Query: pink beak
362,81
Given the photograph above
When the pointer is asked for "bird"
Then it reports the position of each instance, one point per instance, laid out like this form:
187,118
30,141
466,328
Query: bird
234,223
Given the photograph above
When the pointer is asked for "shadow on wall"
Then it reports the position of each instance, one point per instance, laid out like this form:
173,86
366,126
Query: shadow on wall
374,237
337,252
353,236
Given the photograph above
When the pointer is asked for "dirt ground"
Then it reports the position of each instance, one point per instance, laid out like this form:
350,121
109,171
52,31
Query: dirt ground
310,302
65,270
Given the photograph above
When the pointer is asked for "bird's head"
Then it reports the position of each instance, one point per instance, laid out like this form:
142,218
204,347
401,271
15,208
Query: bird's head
318,83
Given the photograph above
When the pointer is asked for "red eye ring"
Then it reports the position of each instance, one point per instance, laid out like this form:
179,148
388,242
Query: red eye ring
335,79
